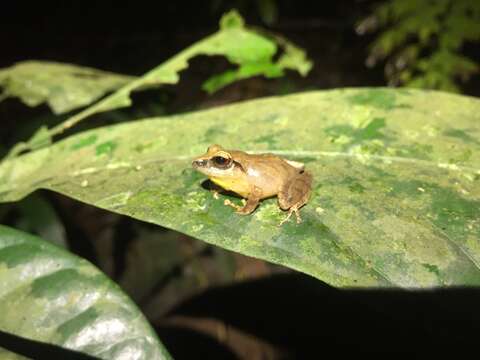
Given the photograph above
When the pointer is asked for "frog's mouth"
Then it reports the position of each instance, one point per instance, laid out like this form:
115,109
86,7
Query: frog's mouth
207,167
201,163
201,166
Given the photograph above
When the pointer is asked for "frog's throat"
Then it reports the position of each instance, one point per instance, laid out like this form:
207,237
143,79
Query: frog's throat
237,185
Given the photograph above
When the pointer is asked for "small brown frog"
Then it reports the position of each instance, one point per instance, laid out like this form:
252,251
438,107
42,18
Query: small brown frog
256,177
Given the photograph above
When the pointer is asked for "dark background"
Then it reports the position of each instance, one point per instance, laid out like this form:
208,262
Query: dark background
296,315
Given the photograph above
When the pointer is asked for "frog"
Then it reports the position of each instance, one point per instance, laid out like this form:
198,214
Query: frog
255,177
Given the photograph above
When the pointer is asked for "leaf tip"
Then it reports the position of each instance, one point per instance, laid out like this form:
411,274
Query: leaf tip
231,20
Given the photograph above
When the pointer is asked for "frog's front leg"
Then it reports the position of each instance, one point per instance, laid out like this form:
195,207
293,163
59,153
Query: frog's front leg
250,205
215,190
294,194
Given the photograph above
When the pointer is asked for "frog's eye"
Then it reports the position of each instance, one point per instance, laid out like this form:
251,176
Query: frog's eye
221,161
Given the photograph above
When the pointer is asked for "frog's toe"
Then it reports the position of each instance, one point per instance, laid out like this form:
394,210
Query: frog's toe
293,209
286,218
243,211
297,215
227,202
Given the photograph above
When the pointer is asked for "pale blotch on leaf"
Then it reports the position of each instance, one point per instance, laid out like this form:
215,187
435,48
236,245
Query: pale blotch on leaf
411,134
197,227
281,121
84,171
473,244
116,200
361,116
16,321
430,130
341,139
4,271
196,200
470,176
118,165
448,166
87,270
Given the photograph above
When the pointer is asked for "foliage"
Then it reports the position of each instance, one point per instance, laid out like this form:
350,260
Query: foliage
423,41
50,295
64,87
254,54
37,215
396,200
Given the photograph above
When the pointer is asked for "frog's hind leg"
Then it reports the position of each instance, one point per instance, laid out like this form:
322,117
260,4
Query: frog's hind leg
295,194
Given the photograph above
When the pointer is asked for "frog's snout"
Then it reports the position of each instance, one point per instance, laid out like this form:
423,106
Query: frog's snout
199,163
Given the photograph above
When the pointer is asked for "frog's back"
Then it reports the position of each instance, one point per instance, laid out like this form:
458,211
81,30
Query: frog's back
268,172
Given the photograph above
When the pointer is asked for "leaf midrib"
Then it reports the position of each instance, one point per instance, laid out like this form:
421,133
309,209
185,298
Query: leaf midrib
293,153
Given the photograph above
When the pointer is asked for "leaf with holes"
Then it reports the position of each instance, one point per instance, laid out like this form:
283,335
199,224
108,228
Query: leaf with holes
254,54
395,200
64,87
50,295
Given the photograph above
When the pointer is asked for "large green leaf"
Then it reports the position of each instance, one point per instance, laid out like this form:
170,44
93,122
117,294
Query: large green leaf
50,295
396,196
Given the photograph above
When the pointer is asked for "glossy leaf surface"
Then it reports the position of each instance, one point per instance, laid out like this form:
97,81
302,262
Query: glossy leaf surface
396,195
50,295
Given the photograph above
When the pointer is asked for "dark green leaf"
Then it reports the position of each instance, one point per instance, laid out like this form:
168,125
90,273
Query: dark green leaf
37,215
50,295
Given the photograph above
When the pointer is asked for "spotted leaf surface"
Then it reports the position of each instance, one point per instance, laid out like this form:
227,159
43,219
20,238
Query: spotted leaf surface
50,295
396,192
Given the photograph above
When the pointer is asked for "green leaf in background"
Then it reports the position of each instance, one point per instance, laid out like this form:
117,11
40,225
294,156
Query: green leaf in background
422,41
252,52
396,195
216,82
50,295
152,275
268,11
64,87
38,215
292,58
